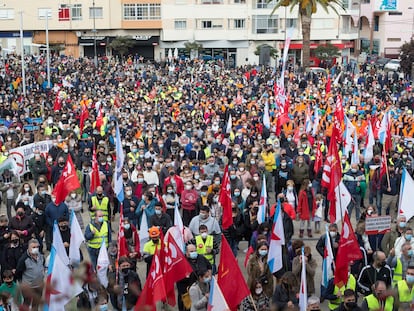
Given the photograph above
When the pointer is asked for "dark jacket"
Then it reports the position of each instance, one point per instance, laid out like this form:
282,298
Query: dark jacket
10,257
320,246
41,201
24,223
127,208
369,275
54,212
283,295
342,308
131,289
39,223
163,221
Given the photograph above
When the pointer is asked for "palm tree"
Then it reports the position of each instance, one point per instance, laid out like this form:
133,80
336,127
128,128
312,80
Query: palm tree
306,9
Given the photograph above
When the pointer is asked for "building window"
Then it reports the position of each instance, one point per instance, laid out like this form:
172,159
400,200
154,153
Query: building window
239,2
394,13
95,12
64,13
180,24
77,12
138,11
292,23
394,39
264,4
206,24
42,12
211,1
346,23
376,23
345,4
211,24
239,23
6,13
265,24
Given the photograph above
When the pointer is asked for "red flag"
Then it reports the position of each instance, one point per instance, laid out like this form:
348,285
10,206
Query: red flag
229,275
99,119
328,85
318,159
225,200
250,251
339,116
95,182
384,163
153,93
57,105
332,174
160,199
122,242
176,268
376,125
154,288
68,182
239,99
84,115
348,251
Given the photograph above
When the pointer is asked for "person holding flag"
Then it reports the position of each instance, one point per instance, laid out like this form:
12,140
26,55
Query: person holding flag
310,266
96,232
258,299
258,269
200,291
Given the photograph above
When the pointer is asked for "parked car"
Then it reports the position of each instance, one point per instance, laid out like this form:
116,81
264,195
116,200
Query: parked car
381,62
392,65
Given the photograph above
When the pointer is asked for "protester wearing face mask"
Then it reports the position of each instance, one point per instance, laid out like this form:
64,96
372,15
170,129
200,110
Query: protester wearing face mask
12,252
146,207
37,165
174,180
204,218
354,181
30,272
26,196
311,266
124,286
380,299
285,295
53,212
63,224
57,170
200,291
349,302
151,246
188,201
206,246
407,236
161,219
129,205
388,241
9,186
300,172
22,223
404,288
378,270
170,198
334,237
10,289
74,203
96,232
258,300
400,263
100,202
258,269
306,207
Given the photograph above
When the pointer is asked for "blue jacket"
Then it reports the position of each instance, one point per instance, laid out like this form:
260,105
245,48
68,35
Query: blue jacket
54,212
149,210
351,181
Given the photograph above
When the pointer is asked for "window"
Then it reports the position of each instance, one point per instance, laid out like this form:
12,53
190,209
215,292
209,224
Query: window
393,39
77,12
264,4
140,11
42,12
239,23
345,4
394,13
211,1
239,1
209,24
346,24
376,23
265,24
6,13
64,12
206,24
180,24
292,23
95,12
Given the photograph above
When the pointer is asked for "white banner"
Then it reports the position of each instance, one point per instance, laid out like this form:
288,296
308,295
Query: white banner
22,155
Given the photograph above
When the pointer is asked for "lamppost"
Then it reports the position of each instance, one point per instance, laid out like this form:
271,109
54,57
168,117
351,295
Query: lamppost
95,57
359,27
47,50
22,54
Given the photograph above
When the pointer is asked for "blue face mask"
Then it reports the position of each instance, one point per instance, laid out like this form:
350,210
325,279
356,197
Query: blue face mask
410,279
263,252
403,224
408,237
410,253
103,307
236,194
100,219
193,255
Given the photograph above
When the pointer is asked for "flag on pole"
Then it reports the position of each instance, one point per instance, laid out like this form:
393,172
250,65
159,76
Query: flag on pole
76,240
405,205
99,119
83,117
229,124
119,185
308,121
303,292
229,274
277,240
318,159
261,214
95,181
68,182
266,118
355,151
328,259
348,250
336,81
143,233
384,133
216,301
60,287
58,245
328,85
315,121
348,140
178,222
102,265
225,200
369,147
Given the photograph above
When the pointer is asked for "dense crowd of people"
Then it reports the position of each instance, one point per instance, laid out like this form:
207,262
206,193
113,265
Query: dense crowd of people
174,126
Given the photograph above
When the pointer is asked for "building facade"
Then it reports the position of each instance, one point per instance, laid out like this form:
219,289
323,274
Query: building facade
230,30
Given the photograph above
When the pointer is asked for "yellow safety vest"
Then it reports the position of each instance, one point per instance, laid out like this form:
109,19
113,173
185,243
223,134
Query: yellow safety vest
351,284
133,157
100,235
374,305
307,150
202,247
398,273
150,247
102,206
404,293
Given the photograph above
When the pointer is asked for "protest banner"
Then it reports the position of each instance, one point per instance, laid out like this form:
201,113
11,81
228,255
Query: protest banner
377,225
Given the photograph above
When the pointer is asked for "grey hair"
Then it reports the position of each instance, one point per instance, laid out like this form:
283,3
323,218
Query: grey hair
32,241
313,300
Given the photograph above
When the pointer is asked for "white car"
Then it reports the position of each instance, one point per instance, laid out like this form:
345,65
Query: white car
392,65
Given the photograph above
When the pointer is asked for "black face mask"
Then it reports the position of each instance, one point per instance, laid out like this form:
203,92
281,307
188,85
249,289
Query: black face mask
125,270
63,228
20,214
155,241
351,305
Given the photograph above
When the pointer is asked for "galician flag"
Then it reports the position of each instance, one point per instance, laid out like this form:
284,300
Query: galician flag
261,214
277,240
328,259
405,206
303,291
216,301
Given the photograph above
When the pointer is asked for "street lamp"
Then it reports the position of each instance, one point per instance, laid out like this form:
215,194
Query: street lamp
359,25
22,54
95,57
47,50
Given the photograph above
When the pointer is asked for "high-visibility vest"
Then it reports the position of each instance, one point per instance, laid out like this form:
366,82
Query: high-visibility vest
351,284
100,235
374,305
102,206
398,272
404,293
202,247
133,157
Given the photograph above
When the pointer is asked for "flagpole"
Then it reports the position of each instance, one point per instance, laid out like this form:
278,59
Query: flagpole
386,166
252,301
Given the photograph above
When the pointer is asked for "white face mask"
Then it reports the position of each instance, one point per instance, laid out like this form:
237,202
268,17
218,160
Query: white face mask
258,291
73,195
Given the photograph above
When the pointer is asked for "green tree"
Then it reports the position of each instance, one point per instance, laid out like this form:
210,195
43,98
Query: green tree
306,9
122,44
273,51
407,58
327,52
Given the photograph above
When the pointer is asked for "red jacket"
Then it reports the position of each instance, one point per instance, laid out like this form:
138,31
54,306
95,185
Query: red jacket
178,182
303,206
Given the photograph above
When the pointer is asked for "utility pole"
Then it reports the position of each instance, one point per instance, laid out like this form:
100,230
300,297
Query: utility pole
22,54
47,50
95,57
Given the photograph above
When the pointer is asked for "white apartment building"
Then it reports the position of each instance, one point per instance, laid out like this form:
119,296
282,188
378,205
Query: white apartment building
227,29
